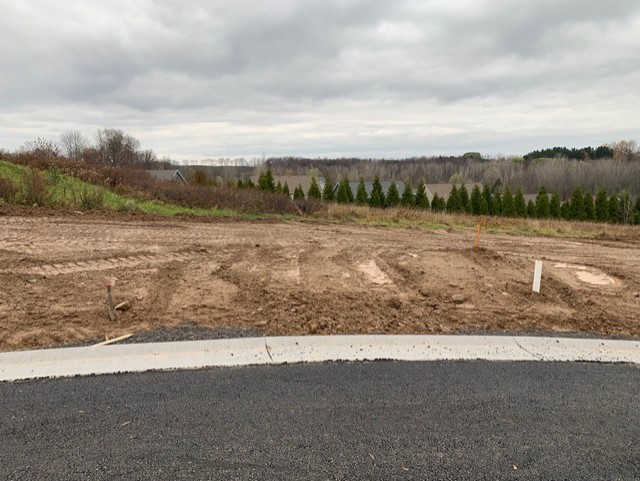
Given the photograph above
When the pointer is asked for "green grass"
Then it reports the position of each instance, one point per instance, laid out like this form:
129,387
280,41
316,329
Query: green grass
69,192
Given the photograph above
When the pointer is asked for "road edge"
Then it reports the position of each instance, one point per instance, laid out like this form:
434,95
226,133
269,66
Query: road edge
113,359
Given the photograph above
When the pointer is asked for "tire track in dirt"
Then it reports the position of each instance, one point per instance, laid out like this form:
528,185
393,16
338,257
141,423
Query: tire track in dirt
108,263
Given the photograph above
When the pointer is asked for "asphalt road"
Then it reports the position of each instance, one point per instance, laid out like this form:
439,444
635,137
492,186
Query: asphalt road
383,420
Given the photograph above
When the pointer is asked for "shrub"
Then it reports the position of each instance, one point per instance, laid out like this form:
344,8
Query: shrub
36,189
90,199
8,190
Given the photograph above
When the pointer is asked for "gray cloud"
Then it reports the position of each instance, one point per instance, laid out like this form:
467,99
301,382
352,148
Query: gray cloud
197,78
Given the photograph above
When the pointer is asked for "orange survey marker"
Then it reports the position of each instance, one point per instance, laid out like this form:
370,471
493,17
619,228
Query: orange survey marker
477,240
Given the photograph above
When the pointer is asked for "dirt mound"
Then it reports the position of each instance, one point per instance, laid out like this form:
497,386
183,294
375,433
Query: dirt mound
301,278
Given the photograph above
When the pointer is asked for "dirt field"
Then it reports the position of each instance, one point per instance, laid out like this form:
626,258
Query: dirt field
301,278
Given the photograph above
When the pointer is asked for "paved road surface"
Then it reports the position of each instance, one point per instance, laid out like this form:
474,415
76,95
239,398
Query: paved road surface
383,420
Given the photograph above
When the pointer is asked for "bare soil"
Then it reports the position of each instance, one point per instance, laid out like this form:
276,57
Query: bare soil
286,278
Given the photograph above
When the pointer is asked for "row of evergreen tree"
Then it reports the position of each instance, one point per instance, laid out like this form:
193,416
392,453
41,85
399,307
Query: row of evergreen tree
614,208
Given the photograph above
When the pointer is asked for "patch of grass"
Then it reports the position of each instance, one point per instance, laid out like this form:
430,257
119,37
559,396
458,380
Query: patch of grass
415,218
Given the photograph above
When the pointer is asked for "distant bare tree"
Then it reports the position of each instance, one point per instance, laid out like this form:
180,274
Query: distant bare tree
73,143
116,148
41,148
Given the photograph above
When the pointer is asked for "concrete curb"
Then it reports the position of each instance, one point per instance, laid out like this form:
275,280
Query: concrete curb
279,350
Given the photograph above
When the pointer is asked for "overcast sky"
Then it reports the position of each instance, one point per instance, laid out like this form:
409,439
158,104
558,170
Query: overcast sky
370,78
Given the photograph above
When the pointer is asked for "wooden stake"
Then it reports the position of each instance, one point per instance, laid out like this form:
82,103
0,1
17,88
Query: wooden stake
112,314
537,276
111,341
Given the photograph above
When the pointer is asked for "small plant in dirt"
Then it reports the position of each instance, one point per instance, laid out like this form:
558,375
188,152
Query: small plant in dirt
8,190
37,189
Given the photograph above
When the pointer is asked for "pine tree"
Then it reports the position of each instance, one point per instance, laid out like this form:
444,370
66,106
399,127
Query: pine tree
508,204
519,203
266,182
298,193
407,199
437,203
285,190
554,206
577,204
361,195
278,188
422,200
329,189
531,210
497,204
465,202
453,202
602,206
476,200
240,185
249,184
393,196
565,211
486,193
589,207
614,209
636,215
344,194
542,203
484,208
314,189
377,196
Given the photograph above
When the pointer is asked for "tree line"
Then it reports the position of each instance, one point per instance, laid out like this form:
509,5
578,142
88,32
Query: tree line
617,207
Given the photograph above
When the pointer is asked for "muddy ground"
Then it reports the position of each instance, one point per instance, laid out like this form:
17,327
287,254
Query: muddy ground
301,278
